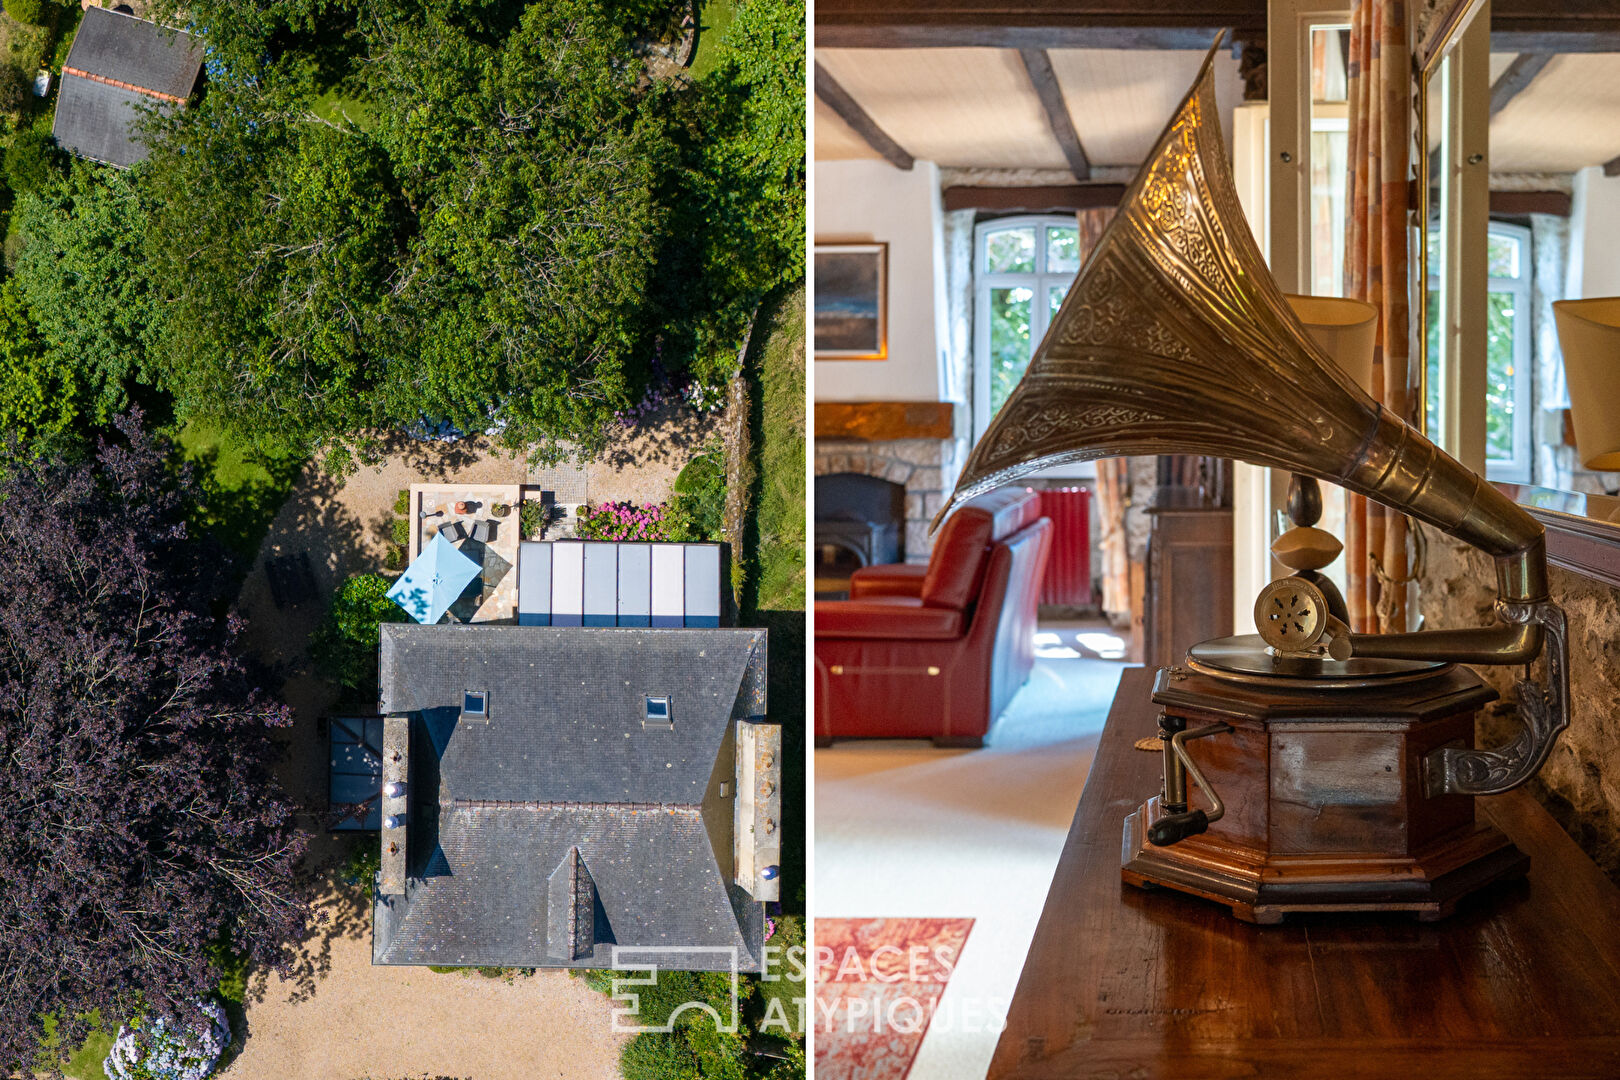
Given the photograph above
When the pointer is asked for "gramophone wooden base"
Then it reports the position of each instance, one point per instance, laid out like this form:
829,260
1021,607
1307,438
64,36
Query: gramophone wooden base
1326,809
1262,889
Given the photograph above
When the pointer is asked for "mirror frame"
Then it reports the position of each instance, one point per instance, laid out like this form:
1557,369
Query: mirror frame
1583,531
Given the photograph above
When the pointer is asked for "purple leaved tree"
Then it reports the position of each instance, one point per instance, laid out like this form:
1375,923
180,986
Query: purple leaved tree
139,820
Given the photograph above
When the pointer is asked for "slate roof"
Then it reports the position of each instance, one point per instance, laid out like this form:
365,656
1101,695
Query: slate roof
562,793
117,64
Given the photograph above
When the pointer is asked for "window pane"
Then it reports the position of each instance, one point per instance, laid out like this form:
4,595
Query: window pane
1011,251
1502,255
1433,351
1009,342
1330,45
1062,250
1499,375
1329,174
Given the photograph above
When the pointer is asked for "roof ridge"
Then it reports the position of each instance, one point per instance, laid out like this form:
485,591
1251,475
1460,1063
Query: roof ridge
148,91
530,804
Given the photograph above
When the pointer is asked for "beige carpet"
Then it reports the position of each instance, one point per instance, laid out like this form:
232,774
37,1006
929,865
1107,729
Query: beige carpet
905,830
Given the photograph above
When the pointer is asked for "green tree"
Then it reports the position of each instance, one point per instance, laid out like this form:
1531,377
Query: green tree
83,272
37,389
738,228
345,644
32,160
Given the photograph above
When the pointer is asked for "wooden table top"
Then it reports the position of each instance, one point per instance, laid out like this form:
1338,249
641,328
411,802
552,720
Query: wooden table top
1523,982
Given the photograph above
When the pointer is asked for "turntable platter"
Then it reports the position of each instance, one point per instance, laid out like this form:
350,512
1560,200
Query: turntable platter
1245,658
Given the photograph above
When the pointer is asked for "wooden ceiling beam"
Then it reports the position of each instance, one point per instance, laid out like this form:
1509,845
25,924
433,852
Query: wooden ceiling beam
1556,203
1518,76
1034,199
1041,76
1612,167
835,97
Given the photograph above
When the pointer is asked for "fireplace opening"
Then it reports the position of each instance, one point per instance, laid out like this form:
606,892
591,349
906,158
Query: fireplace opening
860,521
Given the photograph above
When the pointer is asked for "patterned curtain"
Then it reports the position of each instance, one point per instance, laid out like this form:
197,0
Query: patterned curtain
1376,240
1113,474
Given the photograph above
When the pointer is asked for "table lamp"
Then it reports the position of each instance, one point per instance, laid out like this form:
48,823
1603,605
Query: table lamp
1589,336
1347,330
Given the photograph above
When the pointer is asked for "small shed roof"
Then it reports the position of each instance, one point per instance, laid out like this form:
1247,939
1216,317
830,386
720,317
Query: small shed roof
117,65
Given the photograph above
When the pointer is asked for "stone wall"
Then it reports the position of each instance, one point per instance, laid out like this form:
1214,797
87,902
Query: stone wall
1580,784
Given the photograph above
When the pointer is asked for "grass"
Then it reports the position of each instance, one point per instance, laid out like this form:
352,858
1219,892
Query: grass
243,485
23,47
775,370
714,19
85,1062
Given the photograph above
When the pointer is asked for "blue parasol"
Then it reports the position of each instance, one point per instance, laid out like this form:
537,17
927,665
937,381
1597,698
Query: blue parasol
432,583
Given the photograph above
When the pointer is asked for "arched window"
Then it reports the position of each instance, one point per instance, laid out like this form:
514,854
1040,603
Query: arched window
1022,267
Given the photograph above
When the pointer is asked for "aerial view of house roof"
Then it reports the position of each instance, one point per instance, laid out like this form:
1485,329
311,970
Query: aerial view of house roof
565,791
117,64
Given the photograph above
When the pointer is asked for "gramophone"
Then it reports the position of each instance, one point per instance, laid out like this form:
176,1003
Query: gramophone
1337,770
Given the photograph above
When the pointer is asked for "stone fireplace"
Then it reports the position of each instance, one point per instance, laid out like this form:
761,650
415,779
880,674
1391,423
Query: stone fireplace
912,444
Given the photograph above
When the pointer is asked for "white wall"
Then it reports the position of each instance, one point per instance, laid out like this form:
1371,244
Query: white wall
866,201
1594,259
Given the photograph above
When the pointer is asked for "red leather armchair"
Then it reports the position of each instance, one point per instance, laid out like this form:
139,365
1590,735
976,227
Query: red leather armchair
937,651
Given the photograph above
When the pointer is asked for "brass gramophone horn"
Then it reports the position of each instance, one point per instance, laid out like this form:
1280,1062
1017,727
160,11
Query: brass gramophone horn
1174,339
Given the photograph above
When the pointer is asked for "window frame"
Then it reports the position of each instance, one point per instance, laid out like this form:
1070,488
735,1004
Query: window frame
1519,468
1040,281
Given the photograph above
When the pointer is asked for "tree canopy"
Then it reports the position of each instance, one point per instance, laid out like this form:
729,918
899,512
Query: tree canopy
139,822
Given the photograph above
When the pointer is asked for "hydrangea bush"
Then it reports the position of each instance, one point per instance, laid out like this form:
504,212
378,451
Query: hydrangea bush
163,1048
628,521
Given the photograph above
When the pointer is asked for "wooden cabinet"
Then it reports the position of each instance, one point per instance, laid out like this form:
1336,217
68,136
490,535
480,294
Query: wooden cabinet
1188,595
1522,982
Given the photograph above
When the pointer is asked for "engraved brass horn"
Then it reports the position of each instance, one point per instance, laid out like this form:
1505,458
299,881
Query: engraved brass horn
1174,339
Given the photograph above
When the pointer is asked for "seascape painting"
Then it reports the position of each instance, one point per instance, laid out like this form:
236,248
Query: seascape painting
851,302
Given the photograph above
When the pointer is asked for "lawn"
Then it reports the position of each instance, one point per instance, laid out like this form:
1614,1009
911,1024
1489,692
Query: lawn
22,47
714,18
243,485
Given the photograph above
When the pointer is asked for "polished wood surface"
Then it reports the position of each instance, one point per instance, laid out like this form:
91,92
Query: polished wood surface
879,421
1522,982
1189,577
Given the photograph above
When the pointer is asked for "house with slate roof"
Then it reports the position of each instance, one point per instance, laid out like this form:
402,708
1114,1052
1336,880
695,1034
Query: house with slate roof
551,794
119,64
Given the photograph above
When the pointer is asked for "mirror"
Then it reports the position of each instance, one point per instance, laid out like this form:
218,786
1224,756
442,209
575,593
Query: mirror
1547,237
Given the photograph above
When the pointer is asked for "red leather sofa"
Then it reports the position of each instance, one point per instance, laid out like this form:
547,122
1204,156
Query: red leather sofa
938,651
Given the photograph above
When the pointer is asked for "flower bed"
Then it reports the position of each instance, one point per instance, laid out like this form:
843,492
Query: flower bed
628,521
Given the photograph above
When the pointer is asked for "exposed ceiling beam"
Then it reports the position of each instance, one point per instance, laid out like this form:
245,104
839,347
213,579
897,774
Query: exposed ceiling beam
1612,167
1034,199
838,100
1045,82
1519,75
946,36
1556,203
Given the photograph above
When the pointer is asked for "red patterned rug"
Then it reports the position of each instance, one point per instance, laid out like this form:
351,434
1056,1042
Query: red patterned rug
878,982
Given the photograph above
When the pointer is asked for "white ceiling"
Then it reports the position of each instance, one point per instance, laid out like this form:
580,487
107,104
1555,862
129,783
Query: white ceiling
1566,119
975,108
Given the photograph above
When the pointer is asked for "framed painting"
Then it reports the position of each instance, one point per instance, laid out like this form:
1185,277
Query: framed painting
852,302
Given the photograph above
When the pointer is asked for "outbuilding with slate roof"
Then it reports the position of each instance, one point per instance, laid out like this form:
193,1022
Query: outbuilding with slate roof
553,794
119,64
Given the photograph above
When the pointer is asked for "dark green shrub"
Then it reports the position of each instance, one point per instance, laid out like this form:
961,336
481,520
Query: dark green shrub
363,866
28,11
400,532
32,159
654,1055
533,517
402,502
700,496
345,644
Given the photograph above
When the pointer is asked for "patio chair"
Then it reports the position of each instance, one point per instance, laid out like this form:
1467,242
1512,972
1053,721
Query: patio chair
484,531
455,532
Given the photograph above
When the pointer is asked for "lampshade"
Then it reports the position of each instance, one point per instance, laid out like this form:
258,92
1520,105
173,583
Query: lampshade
1346,330
1589,335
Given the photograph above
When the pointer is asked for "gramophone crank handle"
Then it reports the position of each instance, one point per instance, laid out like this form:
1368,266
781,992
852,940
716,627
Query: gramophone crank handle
1178,826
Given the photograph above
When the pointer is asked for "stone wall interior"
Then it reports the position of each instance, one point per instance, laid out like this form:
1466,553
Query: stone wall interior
926,468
